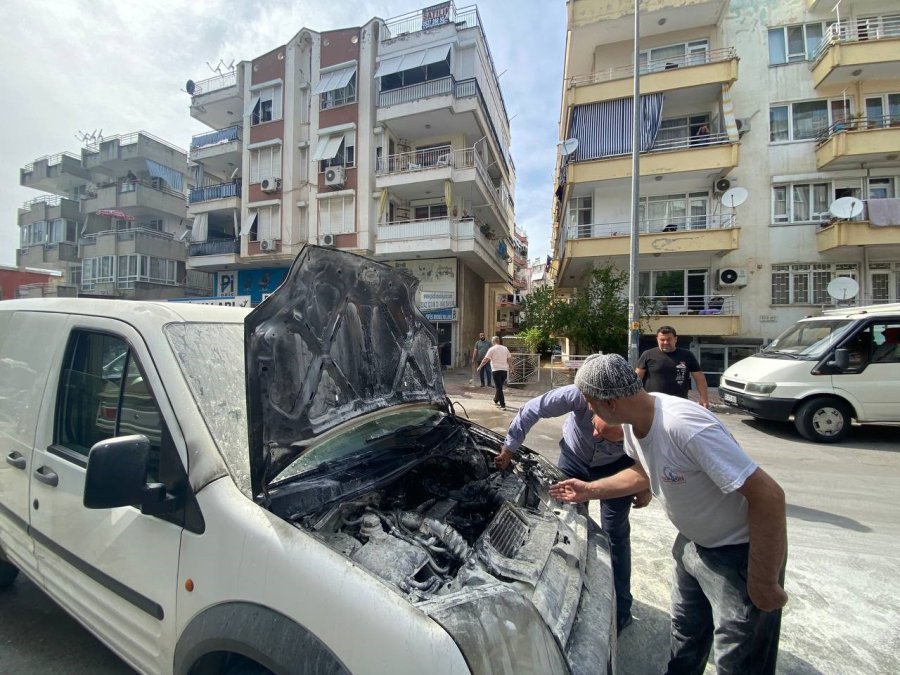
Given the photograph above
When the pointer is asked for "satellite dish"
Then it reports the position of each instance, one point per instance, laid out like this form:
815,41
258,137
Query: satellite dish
846,207
189,87
735,197
568,146
842,288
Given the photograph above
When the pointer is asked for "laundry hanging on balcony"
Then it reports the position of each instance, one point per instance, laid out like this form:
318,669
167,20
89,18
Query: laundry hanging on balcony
172,177
604,129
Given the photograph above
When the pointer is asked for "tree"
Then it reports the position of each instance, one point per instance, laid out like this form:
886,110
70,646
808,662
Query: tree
541,318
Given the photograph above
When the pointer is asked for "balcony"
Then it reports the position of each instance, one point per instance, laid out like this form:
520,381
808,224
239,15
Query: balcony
437,237
116,154
135,240
47,254
716,154
868,49
218,151
862,140
704,315
845,236
215,247
49,207
61,174
214,197
139,197
51,290
708,69
684,234
218,101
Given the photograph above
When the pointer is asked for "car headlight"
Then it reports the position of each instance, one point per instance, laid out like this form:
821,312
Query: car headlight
760,387
501,632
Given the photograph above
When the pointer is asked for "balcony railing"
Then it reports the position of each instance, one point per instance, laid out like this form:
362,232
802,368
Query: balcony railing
51,160
211,192
654,66
680,305
131,139
857,124
125,235
652,226
215,83
216,137
198,282
427,158
865,30
215,247
47,200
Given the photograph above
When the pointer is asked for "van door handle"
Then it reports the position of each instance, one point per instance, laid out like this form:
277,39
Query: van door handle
46,476
16,458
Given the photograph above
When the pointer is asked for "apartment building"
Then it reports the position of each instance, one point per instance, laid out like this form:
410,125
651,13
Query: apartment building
755,119
389,139
110,221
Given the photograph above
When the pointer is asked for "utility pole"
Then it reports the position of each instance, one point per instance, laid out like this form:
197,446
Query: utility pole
634,310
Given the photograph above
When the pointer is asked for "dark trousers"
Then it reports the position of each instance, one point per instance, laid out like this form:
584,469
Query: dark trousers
614,522
710,606
499,380
485,375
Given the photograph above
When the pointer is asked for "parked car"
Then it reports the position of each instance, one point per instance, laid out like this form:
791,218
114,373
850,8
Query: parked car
308,501
824,371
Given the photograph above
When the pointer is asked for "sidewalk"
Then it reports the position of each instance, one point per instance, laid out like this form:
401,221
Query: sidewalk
460,384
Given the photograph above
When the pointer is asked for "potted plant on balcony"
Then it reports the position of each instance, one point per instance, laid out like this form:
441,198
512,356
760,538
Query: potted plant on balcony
487,231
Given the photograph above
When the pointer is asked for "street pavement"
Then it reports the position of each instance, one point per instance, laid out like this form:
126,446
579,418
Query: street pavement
843,571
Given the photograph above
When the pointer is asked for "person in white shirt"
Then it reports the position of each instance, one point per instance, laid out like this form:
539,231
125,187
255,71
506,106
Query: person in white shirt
498,356
728,581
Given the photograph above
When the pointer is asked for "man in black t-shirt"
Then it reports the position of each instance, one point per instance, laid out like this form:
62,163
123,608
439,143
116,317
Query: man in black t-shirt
668,369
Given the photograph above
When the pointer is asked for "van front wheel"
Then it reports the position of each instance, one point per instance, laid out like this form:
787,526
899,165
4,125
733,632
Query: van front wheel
823,420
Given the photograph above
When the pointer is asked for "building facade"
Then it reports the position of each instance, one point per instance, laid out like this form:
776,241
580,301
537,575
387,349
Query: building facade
111,221
755,119
389,140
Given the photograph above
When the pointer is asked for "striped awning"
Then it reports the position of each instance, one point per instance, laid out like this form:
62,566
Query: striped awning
335,79
328,147
416,59
604,129
169,175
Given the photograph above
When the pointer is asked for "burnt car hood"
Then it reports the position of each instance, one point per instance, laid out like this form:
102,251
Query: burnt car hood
341,337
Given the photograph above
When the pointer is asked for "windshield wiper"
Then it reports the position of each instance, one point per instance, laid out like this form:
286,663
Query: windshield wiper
777,352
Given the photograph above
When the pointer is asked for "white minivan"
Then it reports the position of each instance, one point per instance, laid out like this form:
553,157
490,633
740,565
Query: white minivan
825,371
286,490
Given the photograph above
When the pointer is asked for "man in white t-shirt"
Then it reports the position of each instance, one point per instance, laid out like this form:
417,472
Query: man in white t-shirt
730,514
498,356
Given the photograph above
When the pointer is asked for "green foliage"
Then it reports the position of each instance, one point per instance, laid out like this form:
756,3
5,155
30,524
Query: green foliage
595,318
536,340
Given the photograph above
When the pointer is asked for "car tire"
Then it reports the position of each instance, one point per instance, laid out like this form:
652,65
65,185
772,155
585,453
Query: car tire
823,420
8,573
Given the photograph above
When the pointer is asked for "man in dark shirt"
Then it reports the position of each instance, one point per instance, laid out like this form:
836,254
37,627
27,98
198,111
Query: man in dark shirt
668,369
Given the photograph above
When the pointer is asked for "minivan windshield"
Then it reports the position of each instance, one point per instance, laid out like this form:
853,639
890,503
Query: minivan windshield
808,339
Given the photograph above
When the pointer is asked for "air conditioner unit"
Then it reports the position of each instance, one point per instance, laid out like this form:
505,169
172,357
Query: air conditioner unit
267,244
721,185
326,240
270,184
743,125
334,176
730,277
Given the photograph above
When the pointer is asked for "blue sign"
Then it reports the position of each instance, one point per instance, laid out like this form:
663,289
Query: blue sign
445,314
257,283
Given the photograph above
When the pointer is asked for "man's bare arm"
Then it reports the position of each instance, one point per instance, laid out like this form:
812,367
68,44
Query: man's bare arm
627,482
768,540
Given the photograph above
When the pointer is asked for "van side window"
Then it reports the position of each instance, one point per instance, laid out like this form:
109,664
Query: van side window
104,394
887,343
859,350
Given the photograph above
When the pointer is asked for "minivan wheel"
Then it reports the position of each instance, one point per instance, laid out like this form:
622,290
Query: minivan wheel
8,573
823,420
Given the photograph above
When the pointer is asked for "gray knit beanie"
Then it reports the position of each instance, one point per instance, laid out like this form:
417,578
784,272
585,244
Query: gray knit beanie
605,376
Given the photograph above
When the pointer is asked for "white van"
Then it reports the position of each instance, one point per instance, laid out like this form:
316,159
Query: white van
287,490
824,371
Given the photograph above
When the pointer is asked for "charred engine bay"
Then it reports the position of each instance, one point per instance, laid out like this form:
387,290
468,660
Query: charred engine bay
443,520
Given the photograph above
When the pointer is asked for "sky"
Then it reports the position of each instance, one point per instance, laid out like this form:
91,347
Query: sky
82,66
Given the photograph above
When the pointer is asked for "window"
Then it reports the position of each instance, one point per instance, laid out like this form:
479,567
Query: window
676,291
341,96
344,154
804,120
884,282
337,216
800,202
673,56
265,163
667,213
789,44
33,233
883,111
431,211
426,73
881,188
807,283
581,213
265,223
266,105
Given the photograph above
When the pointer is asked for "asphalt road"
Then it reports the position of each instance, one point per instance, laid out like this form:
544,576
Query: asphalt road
843,573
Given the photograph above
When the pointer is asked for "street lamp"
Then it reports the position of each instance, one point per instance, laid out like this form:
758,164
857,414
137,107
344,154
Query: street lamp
634,313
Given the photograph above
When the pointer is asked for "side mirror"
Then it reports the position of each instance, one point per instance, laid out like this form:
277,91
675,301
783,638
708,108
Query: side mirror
116,475
841,359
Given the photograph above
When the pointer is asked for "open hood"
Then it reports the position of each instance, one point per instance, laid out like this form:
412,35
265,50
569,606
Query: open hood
341,337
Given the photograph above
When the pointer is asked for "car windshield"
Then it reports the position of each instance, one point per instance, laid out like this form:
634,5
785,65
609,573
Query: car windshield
211,357
809,339
392,430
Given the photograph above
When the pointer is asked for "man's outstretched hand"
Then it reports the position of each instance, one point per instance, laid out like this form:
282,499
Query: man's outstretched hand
503,460
571,490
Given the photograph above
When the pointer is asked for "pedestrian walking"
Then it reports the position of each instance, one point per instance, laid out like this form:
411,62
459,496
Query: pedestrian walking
497,357
478,352
668,368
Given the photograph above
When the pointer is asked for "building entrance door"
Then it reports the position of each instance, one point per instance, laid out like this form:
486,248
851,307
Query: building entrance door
445,342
